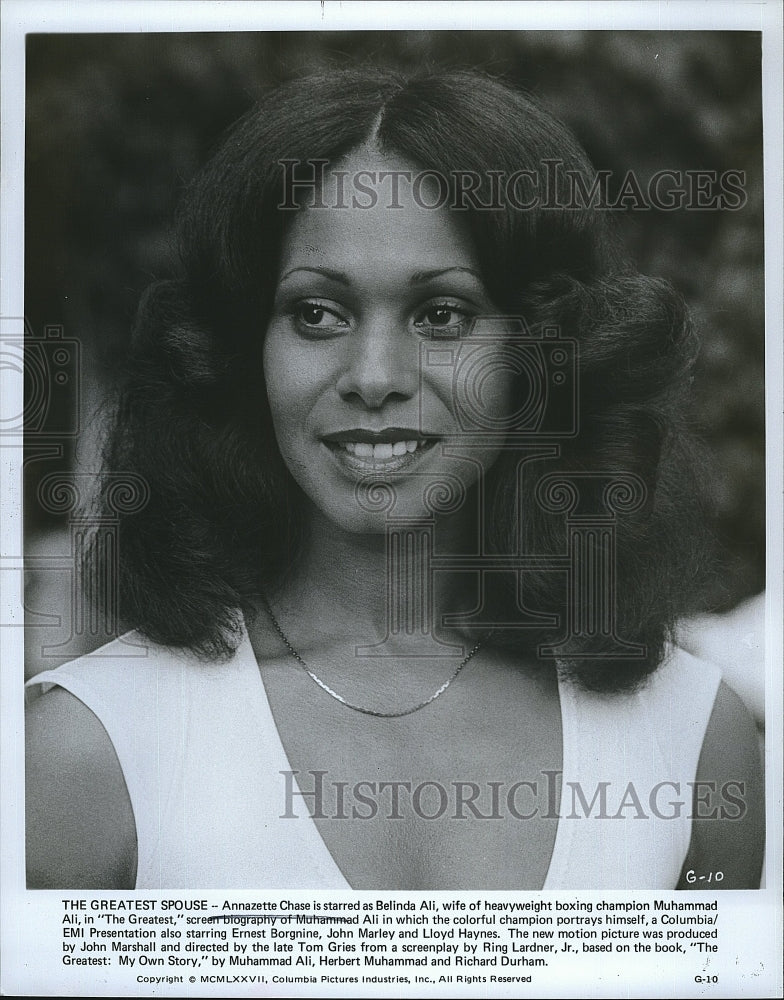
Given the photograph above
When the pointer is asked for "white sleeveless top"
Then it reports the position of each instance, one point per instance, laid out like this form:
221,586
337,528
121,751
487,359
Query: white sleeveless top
202,761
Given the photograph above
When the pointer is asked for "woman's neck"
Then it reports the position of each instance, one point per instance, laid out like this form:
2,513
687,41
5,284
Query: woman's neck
352,585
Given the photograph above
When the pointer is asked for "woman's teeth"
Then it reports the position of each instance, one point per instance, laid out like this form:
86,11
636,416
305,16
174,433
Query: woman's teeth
363,449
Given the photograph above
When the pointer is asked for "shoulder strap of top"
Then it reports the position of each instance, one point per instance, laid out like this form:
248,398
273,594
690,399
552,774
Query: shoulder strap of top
629,759
207,775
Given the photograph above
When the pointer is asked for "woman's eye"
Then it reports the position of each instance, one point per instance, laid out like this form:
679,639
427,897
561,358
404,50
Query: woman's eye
316,316
444,318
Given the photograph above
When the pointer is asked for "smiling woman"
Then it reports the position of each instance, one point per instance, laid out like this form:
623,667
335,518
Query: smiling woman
361,289
421,521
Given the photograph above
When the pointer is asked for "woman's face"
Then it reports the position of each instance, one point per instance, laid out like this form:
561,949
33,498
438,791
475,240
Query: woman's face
372,323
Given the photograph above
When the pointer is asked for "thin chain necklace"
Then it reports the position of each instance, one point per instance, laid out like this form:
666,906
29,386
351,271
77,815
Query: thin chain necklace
348,704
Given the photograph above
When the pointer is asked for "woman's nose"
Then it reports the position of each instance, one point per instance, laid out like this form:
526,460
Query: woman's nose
381,367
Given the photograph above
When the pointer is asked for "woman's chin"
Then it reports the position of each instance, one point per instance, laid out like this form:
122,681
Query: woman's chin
358,521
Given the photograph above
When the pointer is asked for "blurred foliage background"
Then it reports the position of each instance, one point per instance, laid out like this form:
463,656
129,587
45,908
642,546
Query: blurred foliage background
117,124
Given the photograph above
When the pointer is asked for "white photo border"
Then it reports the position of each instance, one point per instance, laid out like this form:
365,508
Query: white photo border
27,918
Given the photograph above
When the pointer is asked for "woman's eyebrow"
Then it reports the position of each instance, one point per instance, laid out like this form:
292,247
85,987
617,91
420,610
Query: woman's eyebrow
418,278
326,272
423,276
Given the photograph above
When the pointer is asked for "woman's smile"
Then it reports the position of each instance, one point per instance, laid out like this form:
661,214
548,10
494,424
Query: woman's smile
372,310
394,449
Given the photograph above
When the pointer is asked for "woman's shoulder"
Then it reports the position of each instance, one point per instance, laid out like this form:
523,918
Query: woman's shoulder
727,791
124,683
83,727
692,728
131,655
728,802
101,735
680,673
672,706
80,825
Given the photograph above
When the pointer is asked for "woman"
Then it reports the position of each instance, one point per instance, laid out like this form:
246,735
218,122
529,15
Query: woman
417,533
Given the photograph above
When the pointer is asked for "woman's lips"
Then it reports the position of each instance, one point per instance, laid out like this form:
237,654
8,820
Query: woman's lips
360,453
383,450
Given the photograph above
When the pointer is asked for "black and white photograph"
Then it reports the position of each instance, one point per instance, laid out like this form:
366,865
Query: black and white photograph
394,535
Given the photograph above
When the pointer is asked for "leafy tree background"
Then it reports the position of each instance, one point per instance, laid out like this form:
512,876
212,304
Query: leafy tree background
117,124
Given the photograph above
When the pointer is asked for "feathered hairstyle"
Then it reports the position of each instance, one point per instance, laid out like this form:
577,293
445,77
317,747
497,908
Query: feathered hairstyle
193,421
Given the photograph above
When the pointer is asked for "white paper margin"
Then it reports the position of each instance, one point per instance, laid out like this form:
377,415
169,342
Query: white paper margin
28,918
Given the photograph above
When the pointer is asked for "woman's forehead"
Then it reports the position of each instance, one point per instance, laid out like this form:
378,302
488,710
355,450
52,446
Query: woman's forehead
376,210
406,241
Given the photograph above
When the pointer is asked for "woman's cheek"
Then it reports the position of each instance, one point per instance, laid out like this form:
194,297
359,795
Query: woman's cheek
285,375
482,394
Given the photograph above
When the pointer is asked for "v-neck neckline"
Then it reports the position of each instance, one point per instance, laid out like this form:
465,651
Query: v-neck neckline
280,763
